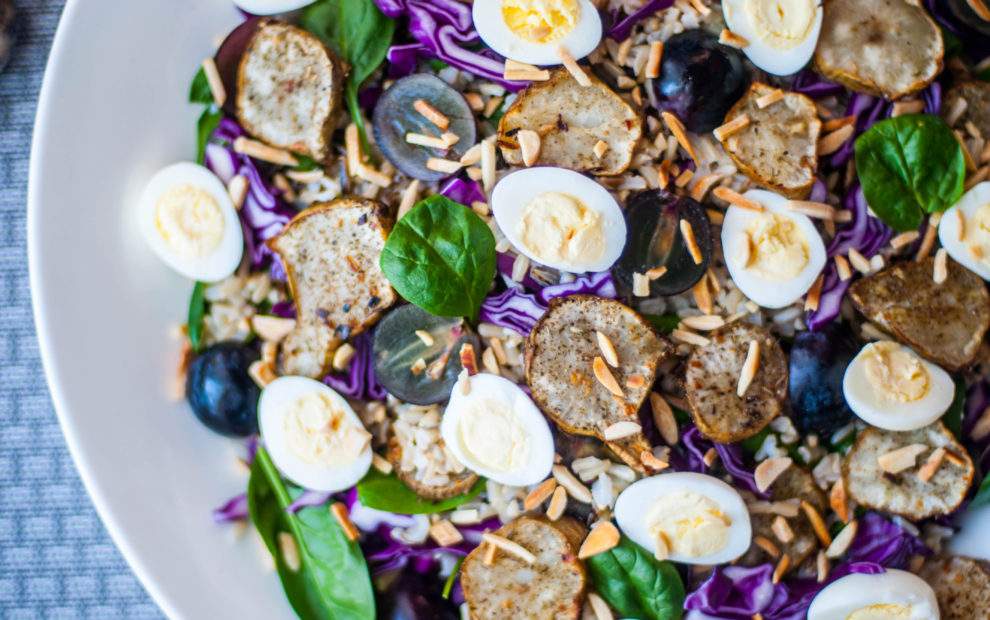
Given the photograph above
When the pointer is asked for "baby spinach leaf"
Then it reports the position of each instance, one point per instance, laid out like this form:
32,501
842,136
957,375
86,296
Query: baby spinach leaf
194,321
953,416
663,323
386,492
332,579
199,90
908,166
636,584
441,257
208,121
359,33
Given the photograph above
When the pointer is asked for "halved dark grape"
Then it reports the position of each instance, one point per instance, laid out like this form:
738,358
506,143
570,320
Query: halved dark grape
818,362
654,239
221,393
396,349
700,79
228,59
395,116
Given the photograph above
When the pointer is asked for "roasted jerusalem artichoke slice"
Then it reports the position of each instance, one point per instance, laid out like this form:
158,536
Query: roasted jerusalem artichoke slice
976,110
561,369
961,584
888,48
945,323
330,252
778,148
571,119
288,89
550,588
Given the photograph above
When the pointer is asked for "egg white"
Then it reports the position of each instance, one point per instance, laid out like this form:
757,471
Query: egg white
866,403
272,406
487,386
271,7
514,191
633,505
857,590
948,229
765,56
579,42
770,293
220,263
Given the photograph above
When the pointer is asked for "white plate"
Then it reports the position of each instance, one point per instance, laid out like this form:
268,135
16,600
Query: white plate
113,111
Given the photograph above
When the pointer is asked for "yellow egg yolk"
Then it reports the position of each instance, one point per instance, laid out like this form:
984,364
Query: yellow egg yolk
493,436
977,234
690,524
541,21
781,24
883,611
320,434
190,221
895,373
778,247
557,227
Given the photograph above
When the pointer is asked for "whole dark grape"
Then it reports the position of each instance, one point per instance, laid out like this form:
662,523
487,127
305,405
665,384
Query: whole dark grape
221,393
817,364
699,81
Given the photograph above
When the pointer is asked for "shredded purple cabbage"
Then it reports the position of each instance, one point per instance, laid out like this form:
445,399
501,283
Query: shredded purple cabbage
730,455
976,43
284,309
885,543
235,509
512,309
599,284
811,84
264,214
505,263
443,30
740,592
464,191
358,381
621,29
308,499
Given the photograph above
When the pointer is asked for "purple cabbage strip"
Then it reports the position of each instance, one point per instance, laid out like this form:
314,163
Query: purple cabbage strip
620,30
885,543
811,84
263,215
512,309
308,499
599,283
867,110
505,263
236,509
975,43
358,381
730,455
284,309
464,191
444,30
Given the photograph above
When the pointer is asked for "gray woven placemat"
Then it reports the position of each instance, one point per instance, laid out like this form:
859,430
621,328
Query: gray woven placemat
56,560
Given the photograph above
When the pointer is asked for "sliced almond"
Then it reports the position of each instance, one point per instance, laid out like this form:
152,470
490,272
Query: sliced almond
237,190
689,337
343,517
650,461
680,134
530,145
842,540
782,565
602,537
782,530
509,546
432,114
574,488
710,457
653,62
607,349
272,328
705,322
621,430
821,566
290,551
605,377
896,461
540,494
817,523
904,239
941,269
838,123
769,470
735,198
750,366
727,37
599,607
814,294
724,131
663,417
859,262
445,534
767,545
216,83
842,267
558,503
931,465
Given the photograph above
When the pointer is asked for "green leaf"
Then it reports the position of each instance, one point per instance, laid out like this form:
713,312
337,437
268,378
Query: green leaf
306,163
441,257
199,90
953,416
908,166
359,33
437,65
451,578
208,121
332,580
982,495
194,322
636,584
663,323
386,492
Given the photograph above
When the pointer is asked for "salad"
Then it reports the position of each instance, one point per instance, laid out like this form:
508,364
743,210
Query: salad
595,308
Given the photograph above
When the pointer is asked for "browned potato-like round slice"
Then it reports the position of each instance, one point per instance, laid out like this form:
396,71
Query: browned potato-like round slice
904,493
560,368
796,483
779,147
944,323
712,377
961,584
976,94
288,89
571,119
551,588
888,48
453,483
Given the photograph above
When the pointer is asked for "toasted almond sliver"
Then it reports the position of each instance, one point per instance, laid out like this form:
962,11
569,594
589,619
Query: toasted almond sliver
821,566
967,156
705,322
558,502
572,66
770,98
432,114
653,62
710,456
650,461
818,210
680,134
663,174
656,273
493,104
817,523
488,164
785,508
703,296
515,65
955,459
641,285
443,165
490,552
263,152
782,565
843,216
468,359
381,463
727,37
689,337
858,261
262,373
621,430
904,239
737,199
272,328
599,607
814,294
705,183
663,417
782,530
830,143
931,465
290,551
767,545
838,123
928,241
687,232
684,178
661,550
603,536
981,430
607,349
903,458
541,75
601,147
409,198
842,540
724,131
605,377
420,139
343,517
509,546
768,471
540,494
237,190
530,145
901,108
445,534
635,382
842,267
216,83
471,156
941,269
571,484
749,368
